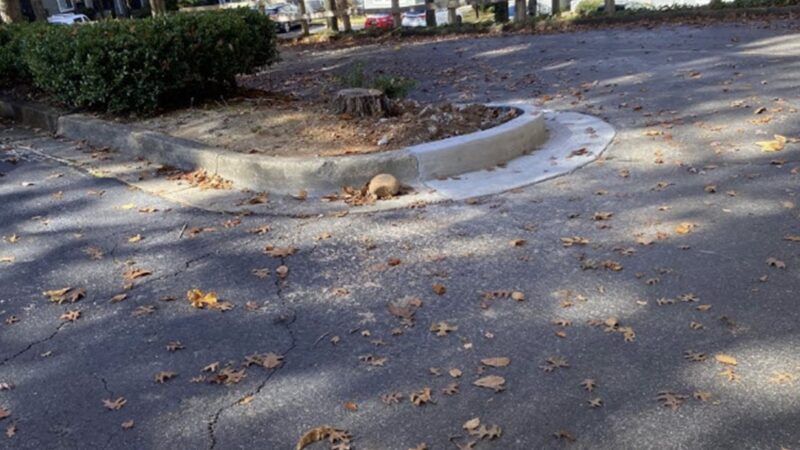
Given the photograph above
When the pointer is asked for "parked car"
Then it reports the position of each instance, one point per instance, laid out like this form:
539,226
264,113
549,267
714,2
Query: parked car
379,22
273,11
68,19
414,18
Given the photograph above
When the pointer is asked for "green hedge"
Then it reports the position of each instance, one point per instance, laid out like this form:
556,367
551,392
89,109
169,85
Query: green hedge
139,65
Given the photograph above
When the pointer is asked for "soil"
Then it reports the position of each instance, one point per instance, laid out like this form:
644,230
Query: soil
283,125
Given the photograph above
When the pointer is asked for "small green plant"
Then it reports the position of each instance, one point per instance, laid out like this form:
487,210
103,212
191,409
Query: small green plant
355,77
393,86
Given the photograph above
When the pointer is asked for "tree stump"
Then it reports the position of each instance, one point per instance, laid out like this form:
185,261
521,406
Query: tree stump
361,103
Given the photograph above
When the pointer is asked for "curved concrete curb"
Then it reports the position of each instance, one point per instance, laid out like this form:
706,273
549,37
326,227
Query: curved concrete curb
319,175
286,175
574,140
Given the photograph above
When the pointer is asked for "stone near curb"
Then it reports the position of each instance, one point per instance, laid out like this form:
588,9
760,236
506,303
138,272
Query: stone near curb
383,186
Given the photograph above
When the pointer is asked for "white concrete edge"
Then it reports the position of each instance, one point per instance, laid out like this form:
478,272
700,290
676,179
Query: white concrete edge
568,132
482,149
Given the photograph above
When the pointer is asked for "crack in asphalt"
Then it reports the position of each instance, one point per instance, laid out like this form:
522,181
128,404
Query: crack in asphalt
286,322
33,344
105,387
186,266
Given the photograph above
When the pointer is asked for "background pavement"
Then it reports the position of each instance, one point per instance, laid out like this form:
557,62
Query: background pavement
683,102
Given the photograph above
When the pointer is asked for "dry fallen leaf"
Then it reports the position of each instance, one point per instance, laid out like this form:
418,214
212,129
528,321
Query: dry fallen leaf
500,361
66,294
451,389
199,299
71,316
574,240
282,272
391,398
439,289
589,384
775,145
725,359
4,413
670,399
316,434
279,252
730,373
553,363
489,433
472,424
495,382
685,228
694,356
776,263
351,406
135,273
162,377
421,397
702,396
442,328
174,346
565,435
128,424
114,405
11,430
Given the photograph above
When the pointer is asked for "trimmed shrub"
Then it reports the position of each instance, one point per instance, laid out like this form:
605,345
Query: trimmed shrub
12,65
150,64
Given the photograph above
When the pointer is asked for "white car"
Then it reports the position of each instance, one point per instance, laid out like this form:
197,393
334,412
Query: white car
68,19
414,18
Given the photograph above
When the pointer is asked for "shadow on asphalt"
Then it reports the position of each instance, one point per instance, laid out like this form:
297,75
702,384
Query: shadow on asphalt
340,286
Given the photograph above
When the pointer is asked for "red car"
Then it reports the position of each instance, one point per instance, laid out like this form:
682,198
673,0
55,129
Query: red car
379,22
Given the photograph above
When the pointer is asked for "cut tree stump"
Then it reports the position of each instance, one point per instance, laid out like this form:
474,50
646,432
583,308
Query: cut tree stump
360,102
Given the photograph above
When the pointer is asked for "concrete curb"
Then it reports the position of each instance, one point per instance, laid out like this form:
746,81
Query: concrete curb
285,175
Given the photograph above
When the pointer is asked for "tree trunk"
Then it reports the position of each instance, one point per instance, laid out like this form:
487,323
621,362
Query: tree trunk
611,7
452,17
430,13
359,102
158,8
10,11
344,10
555,7
304,21
38,10
330,19
519,11
396,13
532,8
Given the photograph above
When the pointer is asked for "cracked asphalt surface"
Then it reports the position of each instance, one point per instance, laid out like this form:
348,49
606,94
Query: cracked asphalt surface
683,102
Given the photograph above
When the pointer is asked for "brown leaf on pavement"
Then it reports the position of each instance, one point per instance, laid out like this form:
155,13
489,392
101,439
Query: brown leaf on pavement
495,382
